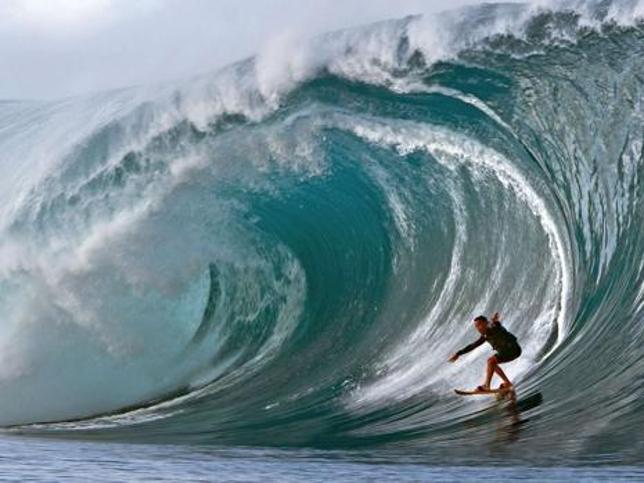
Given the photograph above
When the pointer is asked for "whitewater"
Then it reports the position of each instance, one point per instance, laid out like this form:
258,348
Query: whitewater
282,255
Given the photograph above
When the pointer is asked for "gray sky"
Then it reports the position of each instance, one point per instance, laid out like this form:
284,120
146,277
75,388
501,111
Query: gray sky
55,48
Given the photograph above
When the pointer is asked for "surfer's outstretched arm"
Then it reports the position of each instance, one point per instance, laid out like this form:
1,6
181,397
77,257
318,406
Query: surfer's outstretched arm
496,319
468,348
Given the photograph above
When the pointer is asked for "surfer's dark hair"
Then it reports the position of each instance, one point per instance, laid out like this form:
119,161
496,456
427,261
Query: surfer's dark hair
481,318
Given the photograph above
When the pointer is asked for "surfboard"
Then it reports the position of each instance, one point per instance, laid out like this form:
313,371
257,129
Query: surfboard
477,392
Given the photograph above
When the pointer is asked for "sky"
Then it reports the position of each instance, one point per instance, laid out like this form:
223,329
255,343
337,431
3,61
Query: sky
58,48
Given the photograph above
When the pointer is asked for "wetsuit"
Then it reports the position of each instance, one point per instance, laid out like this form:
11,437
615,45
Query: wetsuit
503,342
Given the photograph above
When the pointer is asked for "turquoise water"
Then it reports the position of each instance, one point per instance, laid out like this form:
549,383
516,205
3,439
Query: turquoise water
283,254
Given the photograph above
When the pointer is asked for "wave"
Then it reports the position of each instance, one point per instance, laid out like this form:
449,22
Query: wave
286,252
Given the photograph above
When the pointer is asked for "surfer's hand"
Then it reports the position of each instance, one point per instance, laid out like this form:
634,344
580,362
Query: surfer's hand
453,358
496,317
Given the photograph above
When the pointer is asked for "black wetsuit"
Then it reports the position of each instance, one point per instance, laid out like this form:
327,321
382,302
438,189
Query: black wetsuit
503,342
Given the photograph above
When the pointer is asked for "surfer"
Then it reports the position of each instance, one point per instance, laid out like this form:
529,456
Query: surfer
503,342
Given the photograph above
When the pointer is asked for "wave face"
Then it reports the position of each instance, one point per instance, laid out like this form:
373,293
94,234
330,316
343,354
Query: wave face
286,252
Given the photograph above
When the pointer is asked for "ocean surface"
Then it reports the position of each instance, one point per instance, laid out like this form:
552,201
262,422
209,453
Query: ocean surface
260,273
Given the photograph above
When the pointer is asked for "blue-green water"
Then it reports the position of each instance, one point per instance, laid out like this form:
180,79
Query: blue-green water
285,253
38,460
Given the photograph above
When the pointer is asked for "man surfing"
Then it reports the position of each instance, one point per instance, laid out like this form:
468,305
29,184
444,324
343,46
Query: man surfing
503,342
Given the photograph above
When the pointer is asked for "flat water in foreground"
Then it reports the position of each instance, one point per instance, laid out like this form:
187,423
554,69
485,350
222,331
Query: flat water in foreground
42,459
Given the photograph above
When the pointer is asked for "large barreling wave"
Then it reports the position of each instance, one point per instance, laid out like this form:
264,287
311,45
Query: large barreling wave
286,252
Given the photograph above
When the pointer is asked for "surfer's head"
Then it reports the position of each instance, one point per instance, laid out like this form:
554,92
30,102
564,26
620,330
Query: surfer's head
481,323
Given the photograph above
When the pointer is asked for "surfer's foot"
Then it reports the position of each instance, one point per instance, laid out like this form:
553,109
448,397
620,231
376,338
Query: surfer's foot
505,385
483,387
